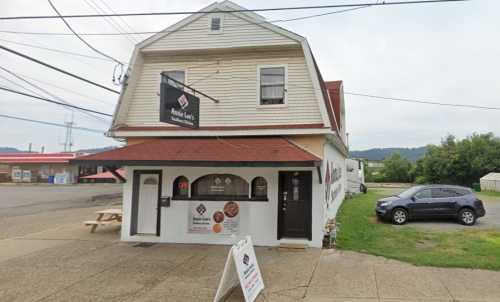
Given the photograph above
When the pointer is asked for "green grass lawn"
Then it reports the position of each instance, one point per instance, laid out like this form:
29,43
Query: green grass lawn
360,231
489,193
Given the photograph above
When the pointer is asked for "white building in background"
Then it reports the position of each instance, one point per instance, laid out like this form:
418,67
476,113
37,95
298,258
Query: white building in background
258,149
490,182
355,175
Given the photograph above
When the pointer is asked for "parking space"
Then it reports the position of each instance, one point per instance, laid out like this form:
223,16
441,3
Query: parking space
490,221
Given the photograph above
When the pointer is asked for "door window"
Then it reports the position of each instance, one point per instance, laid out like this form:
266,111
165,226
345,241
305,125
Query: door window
423,194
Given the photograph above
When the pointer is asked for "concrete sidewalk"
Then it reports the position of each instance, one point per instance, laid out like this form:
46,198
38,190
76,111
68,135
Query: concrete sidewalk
67,263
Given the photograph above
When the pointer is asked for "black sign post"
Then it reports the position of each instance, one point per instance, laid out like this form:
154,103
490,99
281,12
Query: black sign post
178,107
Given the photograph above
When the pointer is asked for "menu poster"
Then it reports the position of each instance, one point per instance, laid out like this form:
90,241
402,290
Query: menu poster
214,217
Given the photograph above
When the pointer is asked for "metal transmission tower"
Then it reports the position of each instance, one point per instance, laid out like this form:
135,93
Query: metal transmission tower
68,139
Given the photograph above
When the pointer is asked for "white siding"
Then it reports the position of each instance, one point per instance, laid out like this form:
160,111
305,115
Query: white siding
235,85
257,219
335,193
236,32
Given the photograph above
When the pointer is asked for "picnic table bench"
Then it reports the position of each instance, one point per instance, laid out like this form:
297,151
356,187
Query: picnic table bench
105,217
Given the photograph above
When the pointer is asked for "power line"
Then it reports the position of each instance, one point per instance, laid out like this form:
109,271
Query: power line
90,98
48,93
185,29
385,98
58,69
381,98
80,38
49,123
227,11
56,50
95,7
54,102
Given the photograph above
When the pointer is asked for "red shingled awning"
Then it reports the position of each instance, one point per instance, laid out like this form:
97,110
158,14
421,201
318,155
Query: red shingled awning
204,152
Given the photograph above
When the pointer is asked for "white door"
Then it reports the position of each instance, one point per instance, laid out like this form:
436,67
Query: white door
147,211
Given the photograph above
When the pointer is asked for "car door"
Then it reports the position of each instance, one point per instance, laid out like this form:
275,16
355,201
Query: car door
421,204
445,201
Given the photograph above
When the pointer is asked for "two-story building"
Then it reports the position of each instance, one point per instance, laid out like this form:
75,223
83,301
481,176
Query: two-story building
258,148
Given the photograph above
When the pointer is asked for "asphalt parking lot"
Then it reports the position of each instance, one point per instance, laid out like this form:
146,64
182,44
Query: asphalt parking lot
51,256
24,199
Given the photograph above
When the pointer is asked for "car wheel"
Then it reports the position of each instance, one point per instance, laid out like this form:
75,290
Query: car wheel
399,216
467,217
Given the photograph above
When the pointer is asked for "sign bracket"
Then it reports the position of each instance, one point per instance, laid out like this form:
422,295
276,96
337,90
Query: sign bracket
190,88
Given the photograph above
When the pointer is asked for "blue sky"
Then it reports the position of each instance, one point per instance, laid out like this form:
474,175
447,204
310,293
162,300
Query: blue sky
439,52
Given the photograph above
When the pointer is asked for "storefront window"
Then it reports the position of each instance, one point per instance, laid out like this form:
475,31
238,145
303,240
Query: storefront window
181,188
259,188
220,187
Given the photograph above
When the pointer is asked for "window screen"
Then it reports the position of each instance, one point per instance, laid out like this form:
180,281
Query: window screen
272,85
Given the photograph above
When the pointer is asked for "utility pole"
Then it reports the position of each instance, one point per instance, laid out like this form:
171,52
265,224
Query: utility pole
68,140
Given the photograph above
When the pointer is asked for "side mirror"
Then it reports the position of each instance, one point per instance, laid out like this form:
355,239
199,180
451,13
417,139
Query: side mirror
413,198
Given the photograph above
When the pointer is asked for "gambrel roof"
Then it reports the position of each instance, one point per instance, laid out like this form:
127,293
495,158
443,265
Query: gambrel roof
152,44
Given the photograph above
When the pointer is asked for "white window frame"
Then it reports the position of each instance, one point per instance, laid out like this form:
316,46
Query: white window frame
285,93
221,29
185,70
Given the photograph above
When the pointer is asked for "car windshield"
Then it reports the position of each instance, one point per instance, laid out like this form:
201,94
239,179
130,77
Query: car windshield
410,192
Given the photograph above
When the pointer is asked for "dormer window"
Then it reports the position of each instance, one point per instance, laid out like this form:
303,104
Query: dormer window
216,24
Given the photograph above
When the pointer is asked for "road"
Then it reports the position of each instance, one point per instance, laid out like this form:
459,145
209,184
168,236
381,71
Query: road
16,200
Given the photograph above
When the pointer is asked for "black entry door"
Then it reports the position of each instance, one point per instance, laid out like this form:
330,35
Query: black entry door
295,204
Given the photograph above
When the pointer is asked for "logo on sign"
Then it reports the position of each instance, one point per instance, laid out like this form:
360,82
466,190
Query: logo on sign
201,209
183,101
246,259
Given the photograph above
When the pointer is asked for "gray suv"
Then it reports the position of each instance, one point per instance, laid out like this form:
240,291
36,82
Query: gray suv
431,201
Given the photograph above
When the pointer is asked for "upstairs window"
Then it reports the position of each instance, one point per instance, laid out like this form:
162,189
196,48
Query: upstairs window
178,75
272,85
215,24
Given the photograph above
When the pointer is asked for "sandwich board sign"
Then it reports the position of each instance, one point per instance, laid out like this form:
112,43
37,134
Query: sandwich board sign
241,267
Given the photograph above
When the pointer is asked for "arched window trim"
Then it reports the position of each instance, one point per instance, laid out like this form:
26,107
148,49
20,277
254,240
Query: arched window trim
175,184
252,189
221,197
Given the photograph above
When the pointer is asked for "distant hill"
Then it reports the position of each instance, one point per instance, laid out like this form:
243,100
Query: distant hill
412,154
9,150
93,150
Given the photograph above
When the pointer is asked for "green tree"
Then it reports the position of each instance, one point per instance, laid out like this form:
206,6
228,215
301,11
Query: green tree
460,162
397,169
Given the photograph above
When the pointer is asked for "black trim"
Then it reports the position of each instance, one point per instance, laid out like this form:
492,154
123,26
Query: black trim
135,200
308,213
190,163
219,198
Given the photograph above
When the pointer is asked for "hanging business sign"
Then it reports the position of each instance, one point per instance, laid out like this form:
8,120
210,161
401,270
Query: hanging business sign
178,107
241,267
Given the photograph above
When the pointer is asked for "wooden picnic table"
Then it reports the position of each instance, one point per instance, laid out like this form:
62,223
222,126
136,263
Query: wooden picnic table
105,217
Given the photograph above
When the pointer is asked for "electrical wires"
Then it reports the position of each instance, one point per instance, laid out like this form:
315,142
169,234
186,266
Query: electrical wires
54,102
230,11
117,79
57,69
49,123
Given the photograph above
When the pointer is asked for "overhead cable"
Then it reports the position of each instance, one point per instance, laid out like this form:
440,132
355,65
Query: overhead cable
228,11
